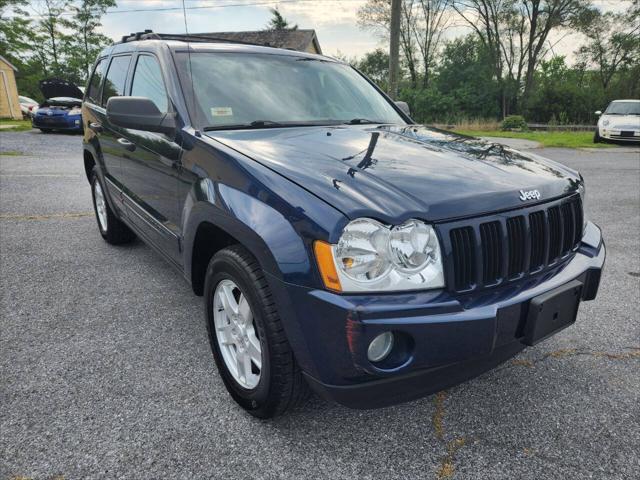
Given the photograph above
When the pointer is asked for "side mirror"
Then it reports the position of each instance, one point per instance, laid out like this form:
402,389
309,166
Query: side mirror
404,106
598,112
139,113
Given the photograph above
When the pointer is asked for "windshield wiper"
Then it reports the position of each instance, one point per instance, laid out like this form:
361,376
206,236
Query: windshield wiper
263,124
240,126
361,121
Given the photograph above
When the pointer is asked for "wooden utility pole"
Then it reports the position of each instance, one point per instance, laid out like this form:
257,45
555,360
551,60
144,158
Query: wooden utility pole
394,48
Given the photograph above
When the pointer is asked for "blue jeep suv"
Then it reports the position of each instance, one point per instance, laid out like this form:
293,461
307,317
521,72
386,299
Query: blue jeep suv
337,245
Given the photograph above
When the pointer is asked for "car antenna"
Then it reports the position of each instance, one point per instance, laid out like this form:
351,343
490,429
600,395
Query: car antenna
193,93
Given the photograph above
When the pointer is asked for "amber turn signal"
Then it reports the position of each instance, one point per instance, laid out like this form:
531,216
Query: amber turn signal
324,258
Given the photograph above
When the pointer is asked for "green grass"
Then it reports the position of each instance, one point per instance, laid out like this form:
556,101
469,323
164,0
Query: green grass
20,125
10,153
546,139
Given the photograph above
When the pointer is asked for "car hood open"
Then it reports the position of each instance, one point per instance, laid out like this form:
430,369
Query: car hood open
56,87
397,172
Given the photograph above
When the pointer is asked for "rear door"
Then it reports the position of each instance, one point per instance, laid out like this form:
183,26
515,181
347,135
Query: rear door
150,165
113,148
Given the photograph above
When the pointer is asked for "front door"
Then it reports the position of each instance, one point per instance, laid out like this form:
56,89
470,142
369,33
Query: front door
150,164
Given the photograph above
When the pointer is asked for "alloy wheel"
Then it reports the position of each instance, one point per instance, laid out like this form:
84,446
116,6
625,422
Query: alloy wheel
236,334
101,205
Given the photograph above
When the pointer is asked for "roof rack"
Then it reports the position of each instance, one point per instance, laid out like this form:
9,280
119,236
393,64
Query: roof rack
183,37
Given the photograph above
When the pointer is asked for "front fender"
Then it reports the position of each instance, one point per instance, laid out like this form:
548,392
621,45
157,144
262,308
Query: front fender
261,229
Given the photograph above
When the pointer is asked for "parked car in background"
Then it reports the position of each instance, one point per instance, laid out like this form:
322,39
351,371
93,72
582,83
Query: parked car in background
28,106
62,108
620,121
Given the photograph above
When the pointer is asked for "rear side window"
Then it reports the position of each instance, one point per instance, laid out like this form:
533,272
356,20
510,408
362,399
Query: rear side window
93,90
147,82
116,77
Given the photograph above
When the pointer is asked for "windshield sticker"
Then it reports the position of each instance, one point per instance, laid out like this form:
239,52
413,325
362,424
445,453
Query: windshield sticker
221,112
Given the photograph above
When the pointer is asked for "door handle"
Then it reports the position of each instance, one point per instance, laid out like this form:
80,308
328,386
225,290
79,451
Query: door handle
127,144
95,126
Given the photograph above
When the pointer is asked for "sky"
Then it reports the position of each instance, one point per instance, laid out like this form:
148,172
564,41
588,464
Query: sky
335,21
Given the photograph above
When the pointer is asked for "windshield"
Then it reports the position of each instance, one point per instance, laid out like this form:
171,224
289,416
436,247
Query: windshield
239,90
623,108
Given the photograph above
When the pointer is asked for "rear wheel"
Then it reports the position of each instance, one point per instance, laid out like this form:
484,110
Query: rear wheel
249,344
111,228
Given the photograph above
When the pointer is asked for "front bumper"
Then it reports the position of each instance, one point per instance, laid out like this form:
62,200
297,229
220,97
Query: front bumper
58,122
450,337
623,135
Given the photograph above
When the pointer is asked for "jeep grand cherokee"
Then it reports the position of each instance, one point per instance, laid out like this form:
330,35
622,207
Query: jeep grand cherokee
337,245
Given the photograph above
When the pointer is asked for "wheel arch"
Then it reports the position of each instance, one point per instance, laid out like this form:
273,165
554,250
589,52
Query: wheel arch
209,230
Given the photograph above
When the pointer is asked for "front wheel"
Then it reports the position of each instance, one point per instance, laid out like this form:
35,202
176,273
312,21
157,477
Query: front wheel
249,344
596,137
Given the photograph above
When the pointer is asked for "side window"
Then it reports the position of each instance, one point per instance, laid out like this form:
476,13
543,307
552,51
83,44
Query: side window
116,77
93,90
147,82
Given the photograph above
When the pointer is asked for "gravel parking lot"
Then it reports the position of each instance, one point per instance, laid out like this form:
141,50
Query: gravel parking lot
106,372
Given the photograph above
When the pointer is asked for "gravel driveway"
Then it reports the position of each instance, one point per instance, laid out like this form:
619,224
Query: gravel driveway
106,372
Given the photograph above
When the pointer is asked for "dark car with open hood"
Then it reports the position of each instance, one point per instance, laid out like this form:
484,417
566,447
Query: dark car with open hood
61,109
338,246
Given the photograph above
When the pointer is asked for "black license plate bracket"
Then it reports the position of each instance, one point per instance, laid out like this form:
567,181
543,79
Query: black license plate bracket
552,311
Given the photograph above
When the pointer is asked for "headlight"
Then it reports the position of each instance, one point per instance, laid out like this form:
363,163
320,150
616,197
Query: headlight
371,256
605,123
75,111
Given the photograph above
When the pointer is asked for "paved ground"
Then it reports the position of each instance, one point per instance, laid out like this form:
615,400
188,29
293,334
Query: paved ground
105,369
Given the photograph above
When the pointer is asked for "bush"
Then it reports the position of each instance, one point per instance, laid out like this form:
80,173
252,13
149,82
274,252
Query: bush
514,122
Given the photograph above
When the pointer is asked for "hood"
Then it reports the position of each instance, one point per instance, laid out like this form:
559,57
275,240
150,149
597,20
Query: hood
396,172
56,87
620,122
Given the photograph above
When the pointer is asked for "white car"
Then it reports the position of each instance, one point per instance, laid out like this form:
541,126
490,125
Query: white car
620,121
28,106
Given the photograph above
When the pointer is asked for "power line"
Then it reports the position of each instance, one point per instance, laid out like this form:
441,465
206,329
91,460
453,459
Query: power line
205,7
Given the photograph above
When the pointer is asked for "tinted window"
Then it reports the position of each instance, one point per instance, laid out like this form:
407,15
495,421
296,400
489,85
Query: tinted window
116,76
93,90
147,82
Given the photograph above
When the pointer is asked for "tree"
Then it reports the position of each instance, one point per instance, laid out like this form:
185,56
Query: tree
50,26
51,38
613,42
83,47
376,15
432,18
422,24
278,22
515,34
375,65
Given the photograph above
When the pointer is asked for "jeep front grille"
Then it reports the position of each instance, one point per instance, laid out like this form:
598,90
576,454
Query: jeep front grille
488,251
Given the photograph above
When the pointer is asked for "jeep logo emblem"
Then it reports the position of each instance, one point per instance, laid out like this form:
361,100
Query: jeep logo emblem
529,195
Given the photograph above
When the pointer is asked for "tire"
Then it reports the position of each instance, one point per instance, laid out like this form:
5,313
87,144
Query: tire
111,228
280,386
45,130
596,137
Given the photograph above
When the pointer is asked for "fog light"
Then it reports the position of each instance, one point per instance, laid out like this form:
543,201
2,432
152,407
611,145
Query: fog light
380,347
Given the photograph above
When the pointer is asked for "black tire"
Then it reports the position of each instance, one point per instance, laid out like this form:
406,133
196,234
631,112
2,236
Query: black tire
116,232
281,386
45,130
596,137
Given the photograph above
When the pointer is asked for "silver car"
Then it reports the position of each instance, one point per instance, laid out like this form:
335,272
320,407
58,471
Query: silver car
620,121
